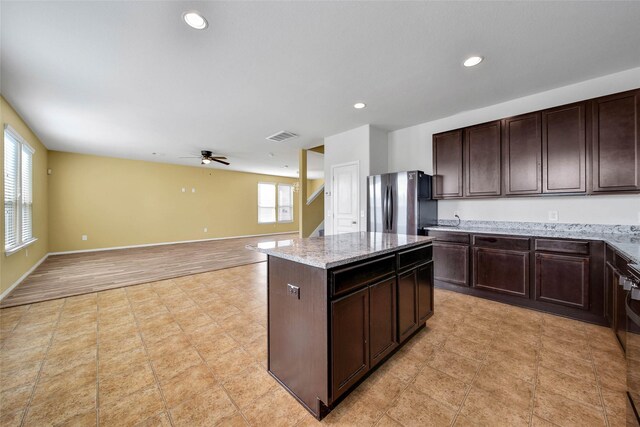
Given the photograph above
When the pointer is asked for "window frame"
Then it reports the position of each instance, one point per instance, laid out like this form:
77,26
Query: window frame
275,207
286,221
22,145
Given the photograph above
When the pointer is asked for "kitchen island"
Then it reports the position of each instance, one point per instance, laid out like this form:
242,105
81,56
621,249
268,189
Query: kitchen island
339,306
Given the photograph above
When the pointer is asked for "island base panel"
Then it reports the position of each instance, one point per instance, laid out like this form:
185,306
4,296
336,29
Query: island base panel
297,330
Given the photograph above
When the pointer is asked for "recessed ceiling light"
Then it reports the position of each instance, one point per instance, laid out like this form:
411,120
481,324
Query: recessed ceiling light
359,105
195,20
472,61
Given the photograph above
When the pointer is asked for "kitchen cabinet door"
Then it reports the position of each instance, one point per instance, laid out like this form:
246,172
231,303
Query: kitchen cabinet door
619,309
522,151
500,270
563,279
451,263
425,292
616,142
447,164
382,320
482,160
350,336
407,306
564,149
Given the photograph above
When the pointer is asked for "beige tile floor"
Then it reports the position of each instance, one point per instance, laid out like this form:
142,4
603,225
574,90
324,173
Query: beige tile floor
192,351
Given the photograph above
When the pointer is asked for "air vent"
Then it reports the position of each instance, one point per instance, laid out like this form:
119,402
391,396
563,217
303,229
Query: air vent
281,136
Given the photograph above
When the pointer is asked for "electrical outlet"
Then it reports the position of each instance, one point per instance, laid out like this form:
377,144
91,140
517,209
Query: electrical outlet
184,190
205,229
553,215
85,237
293,291
26,252
193,190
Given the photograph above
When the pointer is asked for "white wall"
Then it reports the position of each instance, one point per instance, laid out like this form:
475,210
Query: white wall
410,148
378,151
346,147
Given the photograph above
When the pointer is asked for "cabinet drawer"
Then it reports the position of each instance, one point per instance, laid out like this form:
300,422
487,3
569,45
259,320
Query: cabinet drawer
445,236
413,257
562,246
352,277
509,243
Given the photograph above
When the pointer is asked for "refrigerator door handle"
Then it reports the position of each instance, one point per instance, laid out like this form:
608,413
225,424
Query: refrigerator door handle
385,208
390,208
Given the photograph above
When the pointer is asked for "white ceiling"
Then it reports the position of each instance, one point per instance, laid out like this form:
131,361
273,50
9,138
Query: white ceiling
126,79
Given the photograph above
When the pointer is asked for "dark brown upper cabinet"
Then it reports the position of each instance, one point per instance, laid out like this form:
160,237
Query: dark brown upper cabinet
564,149
447,155
522,151
482,154
616,143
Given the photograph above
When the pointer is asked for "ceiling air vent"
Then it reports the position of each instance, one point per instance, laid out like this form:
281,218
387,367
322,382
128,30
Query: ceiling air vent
281,136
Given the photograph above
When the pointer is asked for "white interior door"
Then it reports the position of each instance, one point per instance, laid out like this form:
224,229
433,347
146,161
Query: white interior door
346,198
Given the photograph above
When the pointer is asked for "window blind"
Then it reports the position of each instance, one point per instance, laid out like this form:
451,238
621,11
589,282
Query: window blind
285,203
11,166
266,202
18,190
26,217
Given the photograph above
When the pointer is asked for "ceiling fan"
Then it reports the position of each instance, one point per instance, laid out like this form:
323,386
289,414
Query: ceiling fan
208,157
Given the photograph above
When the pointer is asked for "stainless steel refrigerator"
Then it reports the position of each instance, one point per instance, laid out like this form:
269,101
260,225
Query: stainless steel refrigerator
400,203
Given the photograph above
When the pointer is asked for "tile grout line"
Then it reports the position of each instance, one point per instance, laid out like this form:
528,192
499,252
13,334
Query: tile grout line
35,384
599,387
146,351
97,360
221,383
483,363
535,377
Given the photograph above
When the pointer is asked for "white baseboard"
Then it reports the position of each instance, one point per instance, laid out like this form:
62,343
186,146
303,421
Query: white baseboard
24,276
113,248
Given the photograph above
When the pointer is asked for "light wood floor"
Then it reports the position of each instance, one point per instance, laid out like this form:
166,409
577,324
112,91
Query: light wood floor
61,276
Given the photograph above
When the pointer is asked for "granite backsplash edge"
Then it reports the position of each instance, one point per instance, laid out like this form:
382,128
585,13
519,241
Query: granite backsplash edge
547,226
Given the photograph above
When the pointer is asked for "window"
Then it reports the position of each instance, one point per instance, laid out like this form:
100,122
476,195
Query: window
266,202
272,208
285,203
18,191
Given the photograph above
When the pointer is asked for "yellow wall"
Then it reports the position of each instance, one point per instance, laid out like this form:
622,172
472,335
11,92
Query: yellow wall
313,185
12,267
118,202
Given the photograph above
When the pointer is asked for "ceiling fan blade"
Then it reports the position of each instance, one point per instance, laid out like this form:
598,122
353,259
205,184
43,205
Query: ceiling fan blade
220,161
191,157
218,157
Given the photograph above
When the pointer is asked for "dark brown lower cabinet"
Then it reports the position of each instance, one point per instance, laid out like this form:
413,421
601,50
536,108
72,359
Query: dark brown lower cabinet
407,307
425,291
383,337
329,328
451,263
350,330
563,279
501,270
562,276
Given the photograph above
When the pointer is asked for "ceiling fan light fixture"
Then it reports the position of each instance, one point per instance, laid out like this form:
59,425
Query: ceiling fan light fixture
195,20
206,161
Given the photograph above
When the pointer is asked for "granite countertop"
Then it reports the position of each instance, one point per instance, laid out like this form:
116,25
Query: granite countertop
627,243
335,250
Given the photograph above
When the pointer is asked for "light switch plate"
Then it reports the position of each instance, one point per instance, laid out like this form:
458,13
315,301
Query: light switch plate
553,215
84,237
